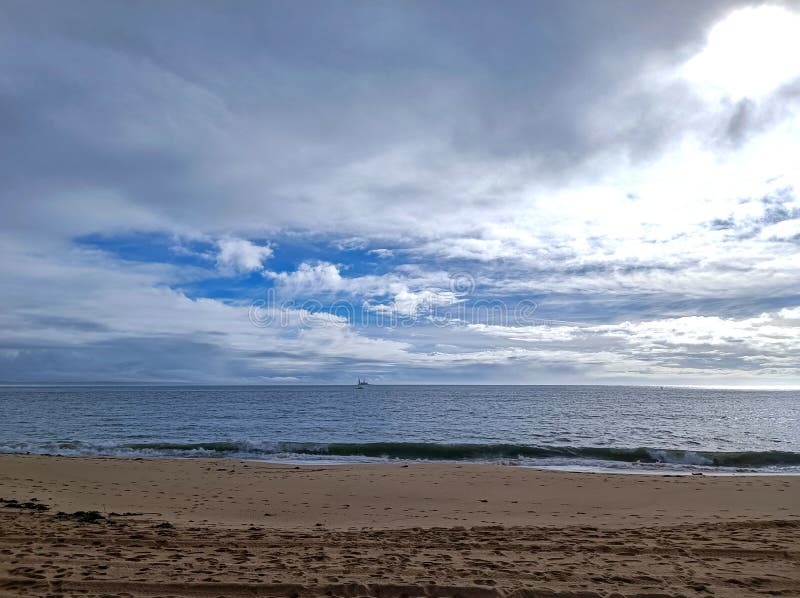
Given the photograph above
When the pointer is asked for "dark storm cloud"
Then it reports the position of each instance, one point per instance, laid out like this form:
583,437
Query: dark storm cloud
176,106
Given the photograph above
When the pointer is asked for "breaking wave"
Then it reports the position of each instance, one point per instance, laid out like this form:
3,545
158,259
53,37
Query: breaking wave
349,452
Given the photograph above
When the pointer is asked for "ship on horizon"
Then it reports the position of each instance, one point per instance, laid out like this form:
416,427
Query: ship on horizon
361,384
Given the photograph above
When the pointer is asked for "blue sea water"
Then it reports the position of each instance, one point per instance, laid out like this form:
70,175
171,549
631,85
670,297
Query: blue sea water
626,429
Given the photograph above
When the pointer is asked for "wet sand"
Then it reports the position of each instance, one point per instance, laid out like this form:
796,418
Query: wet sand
233,528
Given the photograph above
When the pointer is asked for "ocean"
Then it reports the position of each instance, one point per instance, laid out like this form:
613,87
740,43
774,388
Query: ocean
594,428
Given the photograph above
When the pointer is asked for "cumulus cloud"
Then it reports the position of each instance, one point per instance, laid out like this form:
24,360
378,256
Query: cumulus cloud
321,277
240,255
406,293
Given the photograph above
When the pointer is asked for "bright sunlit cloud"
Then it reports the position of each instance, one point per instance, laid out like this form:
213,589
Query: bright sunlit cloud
749,54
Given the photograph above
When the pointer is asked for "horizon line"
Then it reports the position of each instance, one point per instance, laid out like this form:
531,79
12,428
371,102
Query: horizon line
788,387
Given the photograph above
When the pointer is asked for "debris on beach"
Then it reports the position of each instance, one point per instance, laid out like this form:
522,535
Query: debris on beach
80,516
32,505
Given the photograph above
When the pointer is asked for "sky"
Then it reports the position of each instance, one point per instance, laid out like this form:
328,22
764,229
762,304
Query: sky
531,192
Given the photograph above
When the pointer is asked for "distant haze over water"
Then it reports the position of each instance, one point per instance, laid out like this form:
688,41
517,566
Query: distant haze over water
628,429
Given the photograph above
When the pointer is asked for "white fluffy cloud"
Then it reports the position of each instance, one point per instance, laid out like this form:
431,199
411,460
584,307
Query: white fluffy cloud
240,255
321,277
408,293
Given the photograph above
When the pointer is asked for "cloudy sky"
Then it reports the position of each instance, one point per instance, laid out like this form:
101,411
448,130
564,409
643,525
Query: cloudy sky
306,192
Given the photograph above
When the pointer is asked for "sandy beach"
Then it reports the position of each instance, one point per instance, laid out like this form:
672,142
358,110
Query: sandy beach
203,527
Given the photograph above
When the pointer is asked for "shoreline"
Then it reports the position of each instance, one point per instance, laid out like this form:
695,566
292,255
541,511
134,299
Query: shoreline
224,527
640,469
602,459
234,491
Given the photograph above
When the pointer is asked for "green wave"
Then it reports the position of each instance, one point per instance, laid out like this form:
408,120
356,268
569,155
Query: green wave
465,452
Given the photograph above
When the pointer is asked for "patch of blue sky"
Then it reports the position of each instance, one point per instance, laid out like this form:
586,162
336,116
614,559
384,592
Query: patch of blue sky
479,305
290,251
151,247
234,289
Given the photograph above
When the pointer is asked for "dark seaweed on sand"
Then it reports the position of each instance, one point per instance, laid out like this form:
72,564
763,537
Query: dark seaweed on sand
32,505
80,516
